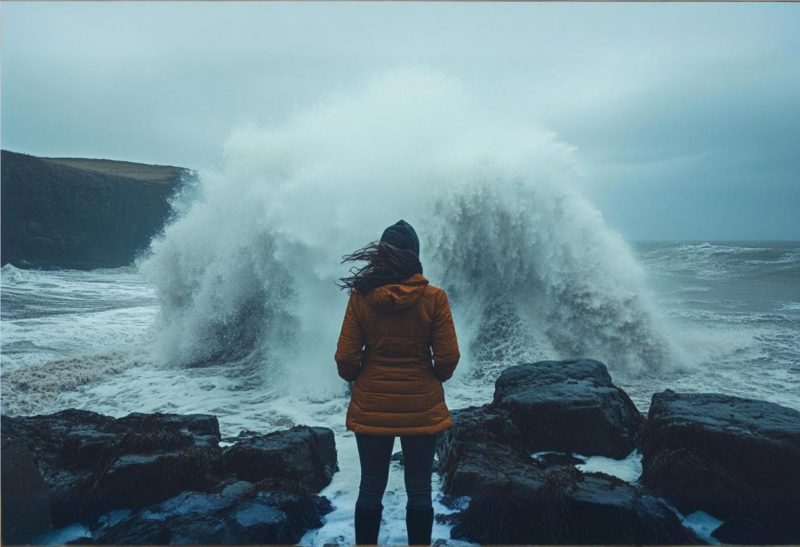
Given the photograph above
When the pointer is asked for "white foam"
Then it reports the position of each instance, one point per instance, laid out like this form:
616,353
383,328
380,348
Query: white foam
628,468
704,260
699,522
703,525
34,387
49,315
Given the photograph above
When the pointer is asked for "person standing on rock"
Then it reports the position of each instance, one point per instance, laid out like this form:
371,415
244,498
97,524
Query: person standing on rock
398,344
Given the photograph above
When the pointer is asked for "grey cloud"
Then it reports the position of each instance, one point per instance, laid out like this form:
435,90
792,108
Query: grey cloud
686,116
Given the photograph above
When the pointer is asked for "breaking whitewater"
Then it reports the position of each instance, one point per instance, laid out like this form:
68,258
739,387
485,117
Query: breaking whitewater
233,310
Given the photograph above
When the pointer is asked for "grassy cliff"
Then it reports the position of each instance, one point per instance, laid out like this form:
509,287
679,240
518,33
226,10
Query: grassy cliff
81,213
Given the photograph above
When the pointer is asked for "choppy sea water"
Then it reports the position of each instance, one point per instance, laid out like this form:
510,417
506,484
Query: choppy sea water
84,340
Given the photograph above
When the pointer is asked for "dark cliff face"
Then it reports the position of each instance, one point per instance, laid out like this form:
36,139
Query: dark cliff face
81,213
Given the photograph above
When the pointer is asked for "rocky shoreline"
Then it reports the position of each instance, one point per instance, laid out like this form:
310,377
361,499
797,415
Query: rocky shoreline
736,459
162,479
511,467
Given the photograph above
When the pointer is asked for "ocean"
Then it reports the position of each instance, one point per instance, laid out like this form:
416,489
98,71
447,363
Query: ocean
83,339
233,309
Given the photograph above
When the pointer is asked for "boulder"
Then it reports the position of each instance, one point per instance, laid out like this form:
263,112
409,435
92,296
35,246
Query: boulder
303,454
95,463
272,511
480,447
732,457
398,458
163,478
563,505
25,496
512,498
243,434
516,499
569,406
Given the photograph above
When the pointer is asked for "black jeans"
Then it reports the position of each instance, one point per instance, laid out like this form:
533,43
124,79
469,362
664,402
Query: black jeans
375,453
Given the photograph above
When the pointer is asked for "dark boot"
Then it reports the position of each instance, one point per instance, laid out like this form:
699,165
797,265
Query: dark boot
419,523
368,524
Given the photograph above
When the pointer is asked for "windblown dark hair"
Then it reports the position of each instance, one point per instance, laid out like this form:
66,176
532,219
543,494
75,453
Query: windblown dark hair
385,264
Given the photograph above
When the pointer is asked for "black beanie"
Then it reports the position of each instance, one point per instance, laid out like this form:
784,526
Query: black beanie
401,235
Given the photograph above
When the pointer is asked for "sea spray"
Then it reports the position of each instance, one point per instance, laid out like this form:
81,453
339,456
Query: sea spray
245,275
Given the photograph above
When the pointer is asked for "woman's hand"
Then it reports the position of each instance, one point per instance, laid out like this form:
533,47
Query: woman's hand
443,340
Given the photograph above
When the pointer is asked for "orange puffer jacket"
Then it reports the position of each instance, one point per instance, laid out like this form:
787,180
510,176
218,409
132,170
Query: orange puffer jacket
385,346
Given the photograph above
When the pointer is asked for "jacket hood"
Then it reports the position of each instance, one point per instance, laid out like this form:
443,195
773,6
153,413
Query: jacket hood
397,296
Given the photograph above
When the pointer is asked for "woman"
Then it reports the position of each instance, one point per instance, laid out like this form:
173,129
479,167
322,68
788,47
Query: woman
398,344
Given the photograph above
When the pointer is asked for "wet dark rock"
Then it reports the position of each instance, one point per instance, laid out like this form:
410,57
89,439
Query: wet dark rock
304,454
560,407
398,457
562,505
238,512
163,478
480,447
515,499
745,531
25,496
569,406
243,434
95,463
732,457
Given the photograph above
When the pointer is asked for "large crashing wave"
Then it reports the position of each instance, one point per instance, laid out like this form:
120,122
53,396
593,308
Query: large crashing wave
246,273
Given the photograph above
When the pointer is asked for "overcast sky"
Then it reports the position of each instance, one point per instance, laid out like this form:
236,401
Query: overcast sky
686,116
